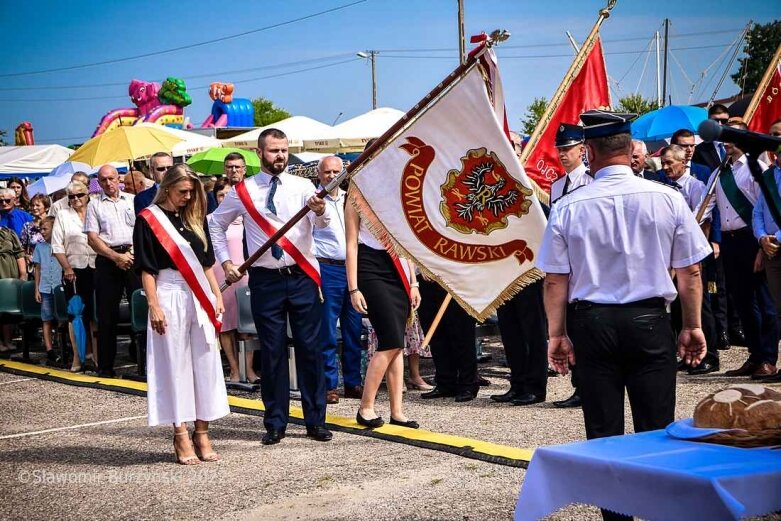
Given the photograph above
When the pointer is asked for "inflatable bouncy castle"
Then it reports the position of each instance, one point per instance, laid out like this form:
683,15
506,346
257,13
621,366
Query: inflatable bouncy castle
154,104
228,111
24,134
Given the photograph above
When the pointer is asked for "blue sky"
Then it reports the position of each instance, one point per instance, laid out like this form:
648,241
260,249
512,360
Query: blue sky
417,41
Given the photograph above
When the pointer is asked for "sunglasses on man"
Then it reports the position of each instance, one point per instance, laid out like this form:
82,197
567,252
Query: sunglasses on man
6,201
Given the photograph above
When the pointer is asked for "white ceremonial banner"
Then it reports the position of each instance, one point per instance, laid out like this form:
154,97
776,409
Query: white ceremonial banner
450,194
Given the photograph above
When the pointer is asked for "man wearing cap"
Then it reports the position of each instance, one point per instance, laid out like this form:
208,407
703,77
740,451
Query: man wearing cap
569,145
607,252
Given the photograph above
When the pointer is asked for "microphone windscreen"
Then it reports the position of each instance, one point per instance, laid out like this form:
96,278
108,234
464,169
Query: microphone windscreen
709,130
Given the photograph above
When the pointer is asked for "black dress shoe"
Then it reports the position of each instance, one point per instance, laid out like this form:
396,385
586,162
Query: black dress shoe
527,399
319,433
774,378
106,374
438,392
737,337
682,366
506,397
705,367
466,396
52,358
273,436
722,343
371,424
572,401
411,424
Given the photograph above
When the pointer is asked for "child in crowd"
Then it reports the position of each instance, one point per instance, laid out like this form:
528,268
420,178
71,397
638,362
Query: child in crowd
48,274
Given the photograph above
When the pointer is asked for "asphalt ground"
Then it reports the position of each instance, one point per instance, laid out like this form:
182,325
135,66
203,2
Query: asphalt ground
69,452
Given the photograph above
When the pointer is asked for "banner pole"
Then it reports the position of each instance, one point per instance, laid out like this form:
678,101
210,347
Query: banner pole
437,319
752,107
569,77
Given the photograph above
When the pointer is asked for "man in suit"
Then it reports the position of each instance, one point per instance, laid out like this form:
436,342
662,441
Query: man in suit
711,153
159,164
639,155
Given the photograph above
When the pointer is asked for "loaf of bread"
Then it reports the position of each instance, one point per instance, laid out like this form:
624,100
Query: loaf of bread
742,406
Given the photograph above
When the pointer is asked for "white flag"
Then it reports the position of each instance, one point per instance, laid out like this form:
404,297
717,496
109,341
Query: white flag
449,194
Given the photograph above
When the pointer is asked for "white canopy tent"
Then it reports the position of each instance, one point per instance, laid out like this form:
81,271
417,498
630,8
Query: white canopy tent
297,128
192,144
353,134
31,160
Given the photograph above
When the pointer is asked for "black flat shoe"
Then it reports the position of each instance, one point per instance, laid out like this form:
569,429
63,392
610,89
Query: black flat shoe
437,392
506,397
527,399
319,433
466,396
572,401
272,437
374,423
410,424
704,368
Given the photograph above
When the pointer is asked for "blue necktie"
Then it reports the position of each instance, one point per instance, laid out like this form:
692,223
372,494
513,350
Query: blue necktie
276,251
722,151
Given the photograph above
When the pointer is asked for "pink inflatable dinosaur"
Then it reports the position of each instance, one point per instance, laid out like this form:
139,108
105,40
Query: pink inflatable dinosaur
144,95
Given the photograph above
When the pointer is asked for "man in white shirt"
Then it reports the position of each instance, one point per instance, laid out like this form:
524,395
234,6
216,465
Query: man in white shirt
283,282
736,195
109,227
330,250
607,286
569,144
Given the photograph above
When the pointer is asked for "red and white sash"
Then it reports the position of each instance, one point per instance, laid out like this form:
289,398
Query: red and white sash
187,263
403,269
304,260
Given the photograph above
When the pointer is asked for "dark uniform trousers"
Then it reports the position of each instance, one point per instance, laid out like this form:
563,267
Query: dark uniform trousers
523,327
751,295
110,282
453,343
628,346
276,297
707,319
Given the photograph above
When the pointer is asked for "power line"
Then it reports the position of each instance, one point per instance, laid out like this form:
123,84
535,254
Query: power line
205,75
199,87
183,47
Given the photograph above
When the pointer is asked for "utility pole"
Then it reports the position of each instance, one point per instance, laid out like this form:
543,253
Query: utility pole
666,51
461,38
372,56
658,75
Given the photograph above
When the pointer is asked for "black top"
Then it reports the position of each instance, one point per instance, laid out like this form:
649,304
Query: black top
150,256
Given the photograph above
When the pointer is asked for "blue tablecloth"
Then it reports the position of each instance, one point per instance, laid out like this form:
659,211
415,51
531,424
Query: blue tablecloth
653,476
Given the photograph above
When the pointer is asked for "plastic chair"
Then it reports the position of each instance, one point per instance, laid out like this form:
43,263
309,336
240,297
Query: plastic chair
139,315
245,326
11,300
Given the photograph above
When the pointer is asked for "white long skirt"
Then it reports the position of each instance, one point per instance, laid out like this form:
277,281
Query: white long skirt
184,375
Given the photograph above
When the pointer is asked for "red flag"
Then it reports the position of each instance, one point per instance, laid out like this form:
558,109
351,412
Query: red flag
588,90
769,105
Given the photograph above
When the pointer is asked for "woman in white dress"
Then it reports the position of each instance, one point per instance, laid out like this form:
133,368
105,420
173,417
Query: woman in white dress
174,255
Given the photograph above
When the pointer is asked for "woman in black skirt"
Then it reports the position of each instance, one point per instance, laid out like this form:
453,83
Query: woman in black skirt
377,289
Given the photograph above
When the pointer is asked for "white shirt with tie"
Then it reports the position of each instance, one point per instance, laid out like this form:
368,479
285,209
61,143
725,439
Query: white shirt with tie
730,220
330,241
291,195
577,178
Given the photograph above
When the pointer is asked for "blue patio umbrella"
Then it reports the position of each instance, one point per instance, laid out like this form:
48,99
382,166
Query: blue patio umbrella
662,123
75,309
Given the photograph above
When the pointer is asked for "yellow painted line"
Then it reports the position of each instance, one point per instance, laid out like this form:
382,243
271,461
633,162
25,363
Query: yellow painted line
390,432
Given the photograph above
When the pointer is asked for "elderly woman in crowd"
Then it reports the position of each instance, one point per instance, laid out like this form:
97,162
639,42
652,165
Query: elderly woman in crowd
20,190
230,319
174,256
31,230
70,248
10,215
12,266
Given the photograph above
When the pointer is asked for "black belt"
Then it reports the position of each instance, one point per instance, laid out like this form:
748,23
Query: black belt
285,271
656,302
332,262
738,233
121,249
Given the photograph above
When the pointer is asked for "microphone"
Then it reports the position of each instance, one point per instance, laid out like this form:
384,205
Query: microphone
747,141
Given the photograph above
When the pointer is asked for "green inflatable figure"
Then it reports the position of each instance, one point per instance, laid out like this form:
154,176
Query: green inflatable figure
174,92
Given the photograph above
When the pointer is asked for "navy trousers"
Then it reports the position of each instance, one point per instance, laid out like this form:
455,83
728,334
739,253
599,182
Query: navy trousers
337,306
276,298
751,295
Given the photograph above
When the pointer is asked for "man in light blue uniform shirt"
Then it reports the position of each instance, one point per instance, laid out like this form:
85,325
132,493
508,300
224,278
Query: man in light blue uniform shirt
767,233
330,250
